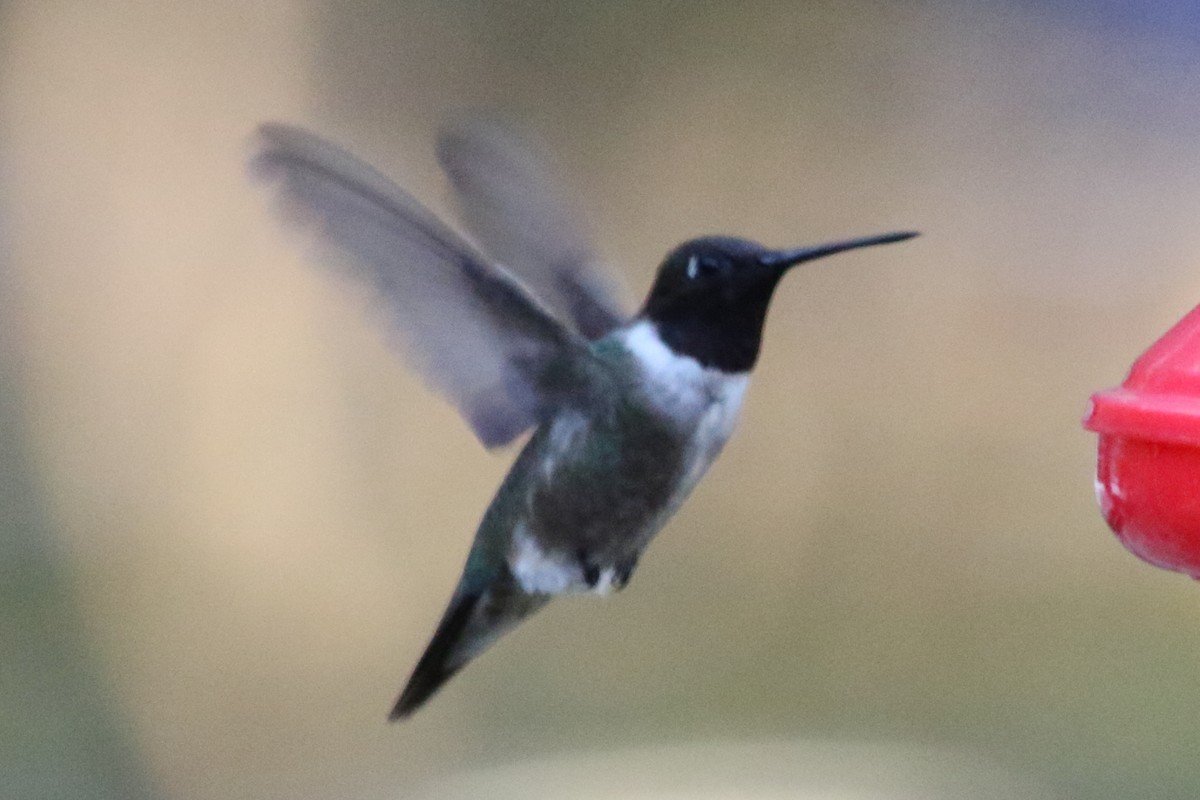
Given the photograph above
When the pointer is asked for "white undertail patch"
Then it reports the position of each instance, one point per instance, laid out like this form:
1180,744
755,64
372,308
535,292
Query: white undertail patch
540,572
537,571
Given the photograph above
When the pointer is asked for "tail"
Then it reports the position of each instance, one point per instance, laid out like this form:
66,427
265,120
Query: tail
471,623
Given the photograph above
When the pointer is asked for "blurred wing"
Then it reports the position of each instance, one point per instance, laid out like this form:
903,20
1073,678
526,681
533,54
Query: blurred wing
510,204
470,327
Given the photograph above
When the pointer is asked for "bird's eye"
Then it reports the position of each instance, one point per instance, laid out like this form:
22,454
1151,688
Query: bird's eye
698,266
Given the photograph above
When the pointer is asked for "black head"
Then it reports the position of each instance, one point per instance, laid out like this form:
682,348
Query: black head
710,298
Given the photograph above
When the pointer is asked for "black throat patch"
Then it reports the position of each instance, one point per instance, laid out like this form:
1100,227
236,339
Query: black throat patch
718,335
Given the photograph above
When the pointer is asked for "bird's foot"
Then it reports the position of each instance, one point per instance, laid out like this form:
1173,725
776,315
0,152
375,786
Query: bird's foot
624,572
605,579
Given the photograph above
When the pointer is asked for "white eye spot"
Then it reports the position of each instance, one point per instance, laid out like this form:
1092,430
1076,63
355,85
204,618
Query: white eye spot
693,267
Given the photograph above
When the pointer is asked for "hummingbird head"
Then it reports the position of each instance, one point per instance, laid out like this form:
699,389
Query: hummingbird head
710,298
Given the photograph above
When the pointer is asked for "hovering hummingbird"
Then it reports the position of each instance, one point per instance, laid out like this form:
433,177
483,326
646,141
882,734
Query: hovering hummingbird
627,412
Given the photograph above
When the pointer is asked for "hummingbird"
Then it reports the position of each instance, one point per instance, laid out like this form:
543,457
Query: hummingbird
522,331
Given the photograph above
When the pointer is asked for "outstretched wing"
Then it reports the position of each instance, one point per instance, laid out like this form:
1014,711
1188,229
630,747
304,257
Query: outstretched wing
471,328
511,205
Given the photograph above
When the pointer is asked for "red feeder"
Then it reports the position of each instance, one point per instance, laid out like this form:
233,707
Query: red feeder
1148,469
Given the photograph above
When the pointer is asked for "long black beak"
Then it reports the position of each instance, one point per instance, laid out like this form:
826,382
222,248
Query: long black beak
783,259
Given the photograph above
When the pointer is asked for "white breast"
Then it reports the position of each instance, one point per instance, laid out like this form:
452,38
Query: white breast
704,401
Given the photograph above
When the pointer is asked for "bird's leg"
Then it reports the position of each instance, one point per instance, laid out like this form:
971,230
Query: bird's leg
591,572
616,576
625,571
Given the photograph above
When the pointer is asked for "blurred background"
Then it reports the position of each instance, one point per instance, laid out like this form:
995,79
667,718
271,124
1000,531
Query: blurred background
230,517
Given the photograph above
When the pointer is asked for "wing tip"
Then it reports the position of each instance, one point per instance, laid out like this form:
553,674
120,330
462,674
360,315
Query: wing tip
267,146
499,423
274,144
466,142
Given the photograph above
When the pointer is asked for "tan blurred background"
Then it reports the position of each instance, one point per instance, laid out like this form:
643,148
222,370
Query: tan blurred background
231,517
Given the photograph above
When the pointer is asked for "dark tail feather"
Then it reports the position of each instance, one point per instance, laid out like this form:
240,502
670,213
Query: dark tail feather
472,622
435,668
